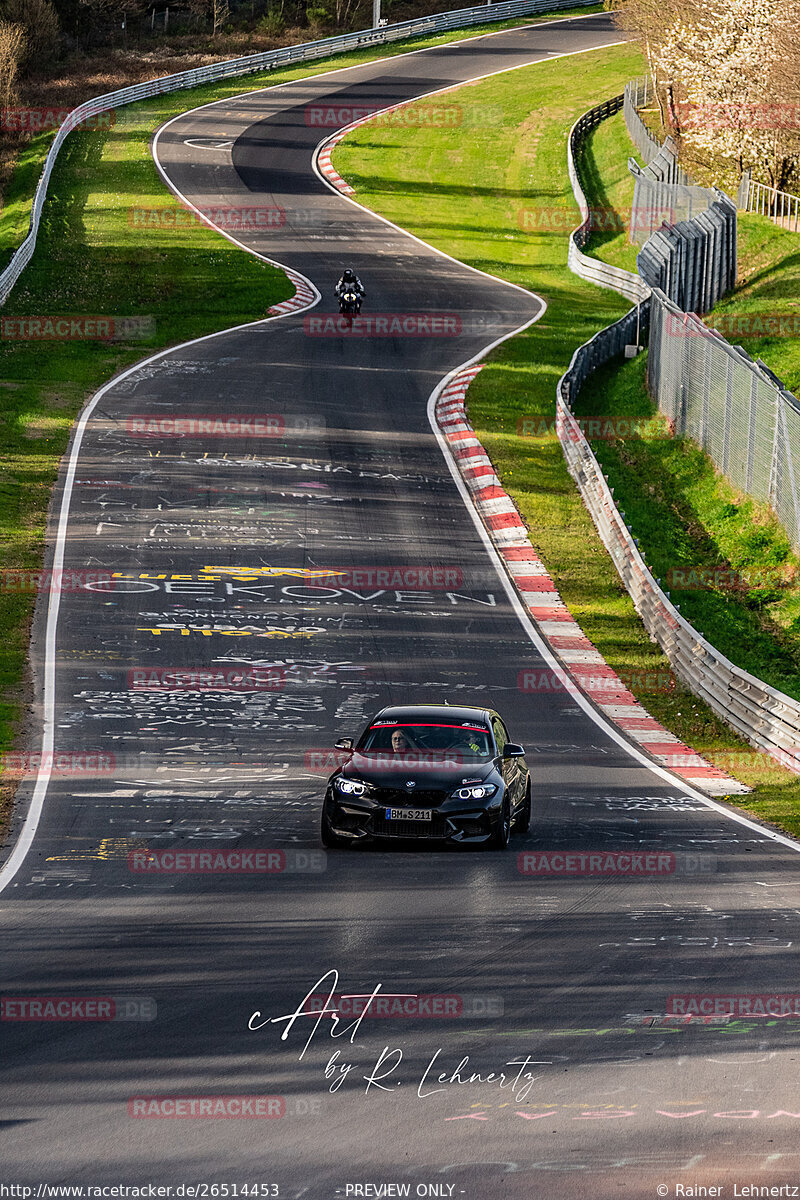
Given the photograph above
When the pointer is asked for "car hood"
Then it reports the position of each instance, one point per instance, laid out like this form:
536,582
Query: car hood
384,770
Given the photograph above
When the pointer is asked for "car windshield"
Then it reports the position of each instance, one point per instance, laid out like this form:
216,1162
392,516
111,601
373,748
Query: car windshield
466,739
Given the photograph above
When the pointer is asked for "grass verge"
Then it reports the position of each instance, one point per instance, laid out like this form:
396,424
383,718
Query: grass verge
485,197
690,520
768,287
606,179
178,283
688,517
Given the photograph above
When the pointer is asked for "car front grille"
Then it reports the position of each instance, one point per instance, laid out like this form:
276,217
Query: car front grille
402,797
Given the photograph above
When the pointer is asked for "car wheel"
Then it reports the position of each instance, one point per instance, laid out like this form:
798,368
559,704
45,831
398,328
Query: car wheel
524,819
502,834
329,838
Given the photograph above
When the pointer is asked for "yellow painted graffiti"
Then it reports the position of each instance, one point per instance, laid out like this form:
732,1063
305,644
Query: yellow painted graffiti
186,630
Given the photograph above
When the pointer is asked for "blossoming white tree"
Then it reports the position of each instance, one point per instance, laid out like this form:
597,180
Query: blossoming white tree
724,72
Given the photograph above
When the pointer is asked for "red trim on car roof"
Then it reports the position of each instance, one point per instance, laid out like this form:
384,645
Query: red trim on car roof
430,725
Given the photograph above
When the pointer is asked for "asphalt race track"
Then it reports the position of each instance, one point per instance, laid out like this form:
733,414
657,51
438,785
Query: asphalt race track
212,536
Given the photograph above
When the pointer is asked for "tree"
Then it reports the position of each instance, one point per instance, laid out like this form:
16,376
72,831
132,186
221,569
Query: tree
785,79
12,52
724,71
649,20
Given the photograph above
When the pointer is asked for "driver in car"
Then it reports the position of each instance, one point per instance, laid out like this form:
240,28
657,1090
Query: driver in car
400,742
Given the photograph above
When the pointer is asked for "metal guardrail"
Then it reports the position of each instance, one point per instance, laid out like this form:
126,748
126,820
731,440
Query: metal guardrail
583,265
267,60
767,718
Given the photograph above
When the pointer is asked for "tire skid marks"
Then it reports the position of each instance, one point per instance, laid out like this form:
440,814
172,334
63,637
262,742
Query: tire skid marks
582,659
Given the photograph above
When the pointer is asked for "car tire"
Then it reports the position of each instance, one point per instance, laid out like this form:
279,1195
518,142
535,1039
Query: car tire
330,839
501,836
523,823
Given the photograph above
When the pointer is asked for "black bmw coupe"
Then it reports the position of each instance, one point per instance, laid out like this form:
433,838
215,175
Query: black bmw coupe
438,772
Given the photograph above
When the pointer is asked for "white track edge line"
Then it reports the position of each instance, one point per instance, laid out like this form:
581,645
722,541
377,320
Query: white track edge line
601,721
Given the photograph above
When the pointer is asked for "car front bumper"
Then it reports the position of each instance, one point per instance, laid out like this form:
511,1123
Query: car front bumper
363,822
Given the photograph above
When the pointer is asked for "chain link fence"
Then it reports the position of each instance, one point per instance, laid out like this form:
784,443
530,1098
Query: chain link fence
733,407
769,719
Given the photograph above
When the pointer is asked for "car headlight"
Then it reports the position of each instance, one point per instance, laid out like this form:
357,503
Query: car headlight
476,791
351,787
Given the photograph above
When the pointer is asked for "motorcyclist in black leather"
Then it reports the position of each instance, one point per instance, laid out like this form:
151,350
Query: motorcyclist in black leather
349,282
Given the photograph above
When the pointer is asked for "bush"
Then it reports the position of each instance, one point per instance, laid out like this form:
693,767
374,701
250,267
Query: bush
318,16
272,24
42,28
13,48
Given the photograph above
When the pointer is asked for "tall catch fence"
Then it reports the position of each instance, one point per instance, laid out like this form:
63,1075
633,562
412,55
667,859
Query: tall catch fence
265,61
733,407
767,718
637,95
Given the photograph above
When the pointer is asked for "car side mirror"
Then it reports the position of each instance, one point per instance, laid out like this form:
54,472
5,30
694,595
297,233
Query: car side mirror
343,744
512,750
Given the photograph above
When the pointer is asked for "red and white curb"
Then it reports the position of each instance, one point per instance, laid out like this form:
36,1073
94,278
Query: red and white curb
540,596
302,298
324,160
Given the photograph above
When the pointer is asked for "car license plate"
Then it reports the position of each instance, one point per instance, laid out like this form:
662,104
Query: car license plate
408,814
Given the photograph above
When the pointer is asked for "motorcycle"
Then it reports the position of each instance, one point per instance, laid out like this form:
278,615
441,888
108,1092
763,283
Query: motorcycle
350,303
